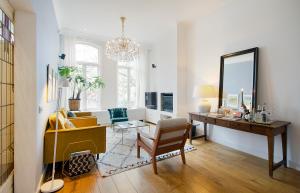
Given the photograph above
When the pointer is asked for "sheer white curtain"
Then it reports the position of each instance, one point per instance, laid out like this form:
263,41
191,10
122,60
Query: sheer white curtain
68,48
141,68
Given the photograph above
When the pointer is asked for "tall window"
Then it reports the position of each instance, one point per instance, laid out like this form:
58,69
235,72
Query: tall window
127,85
87,59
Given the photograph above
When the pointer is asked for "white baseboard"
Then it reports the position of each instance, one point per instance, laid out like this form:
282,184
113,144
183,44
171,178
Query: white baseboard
260,154
7,187
294,165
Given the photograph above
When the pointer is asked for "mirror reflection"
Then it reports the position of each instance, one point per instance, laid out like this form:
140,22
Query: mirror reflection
238,79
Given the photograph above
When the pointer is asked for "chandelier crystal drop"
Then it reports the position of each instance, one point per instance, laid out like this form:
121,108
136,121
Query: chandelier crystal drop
122,49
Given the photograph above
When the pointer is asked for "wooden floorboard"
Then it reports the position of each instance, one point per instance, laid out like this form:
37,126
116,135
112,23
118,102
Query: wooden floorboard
212,168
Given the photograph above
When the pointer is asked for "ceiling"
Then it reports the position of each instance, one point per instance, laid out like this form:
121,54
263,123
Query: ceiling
146,19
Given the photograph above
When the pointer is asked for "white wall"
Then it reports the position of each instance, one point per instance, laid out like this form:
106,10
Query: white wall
37,44
25,103
47,38
271,25
163,78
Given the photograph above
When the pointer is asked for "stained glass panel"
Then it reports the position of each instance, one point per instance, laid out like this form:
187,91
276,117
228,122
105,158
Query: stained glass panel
7,99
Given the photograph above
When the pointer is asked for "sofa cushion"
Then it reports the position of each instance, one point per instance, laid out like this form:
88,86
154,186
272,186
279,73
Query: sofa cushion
69,124
147,141
63,112
61,121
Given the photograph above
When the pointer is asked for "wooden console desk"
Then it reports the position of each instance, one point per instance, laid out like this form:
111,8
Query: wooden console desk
276,128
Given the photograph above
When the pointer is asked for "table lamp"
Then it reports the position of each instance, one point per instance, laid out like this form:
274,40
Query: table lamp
205,92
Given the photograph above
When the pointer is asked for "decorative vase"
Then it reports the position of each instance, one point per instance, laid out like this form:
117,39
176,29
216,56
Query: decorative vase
74,104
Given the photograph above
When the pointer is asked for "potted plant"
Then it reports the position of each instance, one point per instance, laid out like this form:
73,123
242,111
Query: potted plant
78,84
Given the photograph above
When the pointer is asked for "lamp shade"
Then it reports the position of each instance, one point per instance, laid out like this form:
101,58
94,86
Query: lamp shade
205,91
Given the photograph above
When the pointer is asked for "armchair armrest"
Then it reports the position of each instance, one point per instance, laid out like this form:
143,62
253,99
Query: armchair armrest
84,122
144,134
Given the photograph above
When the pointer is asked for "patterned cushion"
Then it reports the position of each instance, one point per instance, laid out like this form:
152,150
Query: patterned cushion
80,163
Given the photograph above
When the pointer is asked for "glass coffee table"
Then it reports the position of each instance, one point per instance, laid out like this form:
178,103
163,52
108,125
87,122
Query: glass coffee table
125,125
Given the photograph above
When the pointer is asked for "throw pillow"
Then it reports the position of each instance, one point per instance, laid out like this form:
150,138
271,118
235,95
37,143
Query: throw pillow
61,121
69,124
63,111
71,114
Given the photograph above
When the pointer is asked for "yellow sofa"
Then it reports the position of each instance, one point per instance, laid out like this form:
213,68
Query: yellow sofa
79,114
85,135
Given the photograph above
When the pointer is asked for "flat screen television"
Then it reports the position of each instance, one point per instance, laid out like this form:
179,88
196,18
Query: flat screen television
151,100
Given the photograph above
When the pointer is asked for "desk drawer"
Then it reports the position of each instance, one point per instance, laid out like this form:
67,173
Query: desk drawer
222,123
194,117
259,130
239,126
207,120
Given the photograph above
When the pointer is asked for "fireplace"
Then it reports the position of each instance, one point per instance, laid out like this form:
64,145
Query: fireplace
167,102
151,100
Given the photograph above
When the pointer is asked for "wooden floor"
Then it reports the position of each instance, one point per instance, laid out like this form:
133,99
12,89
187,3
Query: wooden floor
211,168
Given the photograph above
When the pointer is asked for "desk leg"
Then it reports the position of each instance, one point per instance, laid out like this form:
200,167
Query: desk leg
205,131
190,134
284,146
271,153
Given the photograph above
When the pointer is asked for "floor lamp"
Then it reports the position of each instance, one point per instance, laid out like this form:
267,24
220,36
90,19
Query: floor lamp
55,184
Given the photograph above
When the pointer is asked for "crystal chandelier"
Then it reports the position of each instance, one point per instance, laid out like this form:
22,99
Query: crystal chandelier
122,49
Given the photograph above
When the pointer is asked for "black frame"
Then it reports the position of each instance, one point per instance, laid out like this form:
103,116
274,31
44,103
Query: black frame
151,100
255,71
162,102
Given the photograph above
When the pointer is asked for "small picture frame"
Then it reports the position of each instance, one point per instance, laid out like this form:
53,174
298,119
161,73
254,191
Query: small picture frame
248,101
49,84
52,80
233,101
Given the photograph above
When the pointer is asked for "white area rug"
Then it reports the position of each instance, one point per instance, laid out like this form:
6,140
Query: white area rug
122,157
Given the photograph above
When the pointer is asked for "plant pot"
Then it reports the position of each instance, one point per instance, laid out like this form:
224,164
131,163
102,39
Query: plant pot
74,104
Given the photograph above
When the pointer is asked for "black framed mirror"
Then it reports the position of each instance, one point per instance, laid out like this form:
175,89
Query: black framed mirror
238,79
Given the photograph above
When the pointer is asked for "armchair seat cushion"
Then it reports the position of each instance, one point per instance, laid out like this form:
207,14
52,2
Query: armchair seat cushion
149,142
115,120
147,137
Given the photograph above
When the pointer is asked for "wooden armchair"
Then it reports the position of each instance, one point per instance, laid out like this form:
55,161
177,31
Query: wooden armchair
170,135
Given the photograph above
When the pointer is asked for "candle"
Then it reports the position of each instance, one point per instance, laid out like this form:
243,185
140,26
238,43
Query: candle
242,96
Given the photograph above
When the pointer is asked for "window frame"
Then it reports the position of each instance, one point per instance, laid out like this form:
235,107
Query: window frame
128,71
84,64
